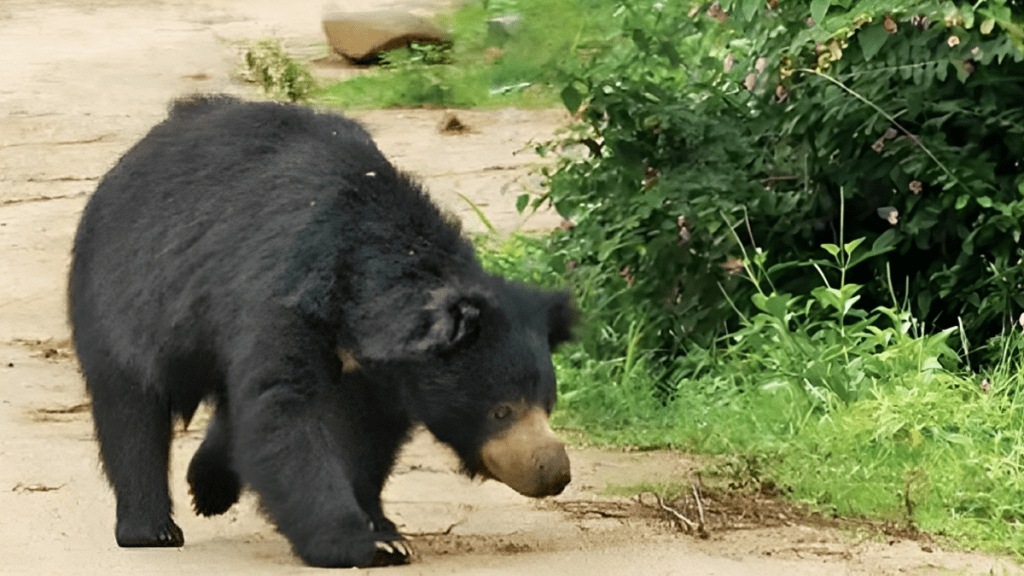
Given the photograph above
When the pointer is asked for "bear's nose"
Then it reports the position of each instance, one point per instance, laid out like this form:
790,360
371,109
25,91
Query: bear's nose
553,470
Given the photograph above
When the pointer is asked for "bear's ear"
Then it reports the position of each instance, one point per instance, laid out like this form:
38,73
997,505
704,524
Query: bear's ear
445,327
562,318
446,322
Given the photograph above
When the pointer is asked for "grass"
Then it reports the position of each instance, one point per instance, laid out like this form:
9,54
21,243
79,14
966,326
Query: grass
854,412
483,68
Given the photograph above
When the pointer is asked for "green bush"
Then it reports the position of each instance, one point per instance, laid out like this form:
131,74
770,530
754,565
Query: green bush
742,127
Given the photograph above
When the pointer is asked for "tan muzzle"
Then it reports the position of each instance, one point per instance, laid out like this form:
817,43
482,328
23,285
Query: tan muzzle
527,456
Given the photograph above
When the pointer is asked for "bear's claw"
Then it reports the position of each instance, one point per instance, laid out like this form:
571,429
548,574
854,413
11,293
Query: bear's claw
393,553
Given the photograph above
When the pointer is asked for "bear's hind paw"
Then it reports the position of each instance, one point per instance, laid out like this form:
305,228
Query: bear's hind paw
165,535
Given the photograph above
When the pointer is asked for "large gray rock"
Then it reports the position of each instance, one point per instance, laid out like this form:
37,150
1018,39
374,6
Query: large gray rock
362,36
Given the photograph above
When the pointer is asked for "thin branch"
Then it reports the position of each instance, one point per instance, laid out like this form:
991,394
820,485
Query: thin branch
684,522
700,505
888,117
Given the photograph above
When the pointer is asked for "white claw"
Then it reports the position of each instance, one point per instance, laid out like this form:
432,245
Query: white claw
403,548
385,546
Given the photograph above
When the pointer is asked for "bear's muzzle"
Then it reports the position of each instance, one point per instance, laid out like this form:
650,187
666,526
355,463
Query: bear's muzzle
528,457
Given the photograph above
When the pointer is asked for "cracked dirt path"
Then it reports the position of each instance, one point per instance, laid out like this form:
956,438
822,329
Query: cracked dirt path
81,80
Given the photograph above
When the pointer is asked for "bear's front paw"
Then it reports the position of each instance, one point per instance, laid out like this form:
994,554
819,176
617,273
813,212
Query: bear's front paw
392,553
214,487
355,550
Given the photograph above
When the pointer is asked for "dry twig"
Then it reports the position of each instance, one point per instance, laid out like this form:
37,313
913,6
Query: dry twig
699,527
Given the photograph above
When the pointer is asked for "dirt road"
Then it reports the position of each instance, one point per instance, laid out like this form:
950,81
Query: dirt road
83,79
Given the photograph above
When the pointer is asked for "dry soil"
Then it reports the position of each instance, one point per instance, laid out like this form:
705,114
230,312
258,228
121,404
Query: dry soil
80,81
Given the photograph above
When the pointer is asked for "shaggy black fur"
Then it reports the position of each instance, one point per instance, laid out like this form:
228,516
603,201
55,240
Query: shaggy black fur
240,253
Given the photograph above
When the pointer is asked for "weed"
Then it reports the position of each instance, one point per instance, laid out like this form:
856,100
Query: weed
267,64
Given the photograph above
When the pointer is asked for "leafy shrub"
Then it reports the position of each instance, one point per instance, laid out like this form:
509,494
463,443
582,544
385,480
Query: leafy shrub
744,126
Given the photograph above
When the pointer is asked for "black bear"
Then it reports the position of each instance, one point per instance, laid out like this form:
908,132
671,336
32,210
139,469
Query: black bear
267,258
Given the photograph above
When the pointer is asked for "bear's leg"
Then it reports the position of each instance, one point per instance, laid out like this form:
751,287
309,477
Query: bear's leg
133,426
291,447
377,464
212,479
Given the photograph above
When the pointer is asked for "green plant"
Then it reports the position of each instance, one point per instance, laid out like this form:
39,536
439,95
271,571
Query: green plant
519,257
425,75
769,114
267,64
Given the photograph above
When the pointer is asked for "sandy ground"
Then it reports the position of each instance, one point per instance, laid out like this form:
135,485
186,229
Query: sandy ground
80,81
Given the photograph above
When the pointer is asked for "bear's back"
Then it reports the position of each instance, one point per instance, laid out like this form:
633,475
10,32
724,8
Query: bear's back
231,205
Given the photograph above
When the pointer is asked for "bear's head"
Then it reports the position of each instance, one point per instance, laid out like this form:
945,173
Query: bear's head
475,364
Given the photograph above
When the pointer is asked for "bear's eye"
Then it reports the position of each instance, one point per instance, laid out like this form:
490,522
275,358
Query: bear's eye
501,412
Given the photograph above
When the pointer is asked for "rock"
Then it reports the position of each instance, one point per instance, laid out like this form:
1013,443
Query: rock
362,36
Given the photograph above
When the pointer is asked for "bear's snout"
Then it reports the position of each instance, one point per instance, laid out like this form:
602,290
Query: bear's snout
528,457
552,467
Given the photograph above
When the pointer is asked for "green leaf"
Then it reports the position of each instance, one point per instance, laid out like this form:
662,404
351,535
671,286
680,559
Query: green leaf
961,71
521,202
651,97
852,245
831,249
775,305
968,14
571,97
885,242
848,304
987,25
818,10
872,38
668,50
984,201
828,297
750,8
